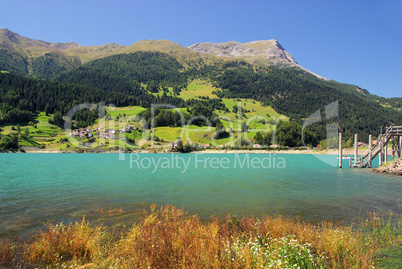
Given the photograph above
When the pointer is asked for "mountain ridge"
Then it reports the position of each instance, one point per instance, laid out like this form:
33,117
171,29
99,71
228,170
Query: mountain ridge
261,52
17,39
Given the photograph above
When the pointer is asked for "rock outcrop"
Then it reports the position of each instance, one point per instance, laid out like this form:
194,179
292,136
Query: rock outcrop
268,51
392,168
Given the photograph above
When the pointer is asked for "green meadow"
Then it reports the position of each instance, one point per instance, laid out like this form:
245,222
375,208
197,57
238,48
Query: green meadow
198,88
40,132
128,111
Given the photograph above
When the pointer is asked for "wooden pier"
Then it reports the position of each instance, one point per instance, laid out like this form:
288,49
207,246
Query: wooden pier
392,133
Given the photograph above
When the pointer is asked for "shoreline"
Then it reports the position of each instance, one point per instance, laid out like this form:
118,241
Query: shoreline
213,151
194,152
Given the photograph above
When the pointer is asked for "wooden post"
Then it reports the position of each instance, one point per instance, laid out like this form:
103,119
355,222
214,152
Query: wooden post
386,153
393,147
356,146
400,147
381,153
370,152
340,150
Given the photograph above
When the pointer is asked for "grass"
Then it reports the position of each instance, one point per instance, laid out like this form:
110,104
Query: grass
168,237
198,88
255,108
44,133
129,111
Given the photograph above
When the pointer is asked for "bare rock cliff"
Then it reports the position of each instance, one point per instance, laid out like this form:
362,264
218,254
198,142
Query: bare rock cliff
266,51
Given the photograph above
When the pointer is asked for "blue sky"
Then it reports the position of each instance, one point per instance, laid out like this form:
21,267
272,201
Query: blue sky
356,42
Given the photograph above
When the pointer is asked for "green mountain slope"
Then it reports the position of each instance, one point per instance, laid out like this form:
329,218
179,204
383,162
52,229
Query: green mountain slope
152,71
22,97
126,72
52,64
299,95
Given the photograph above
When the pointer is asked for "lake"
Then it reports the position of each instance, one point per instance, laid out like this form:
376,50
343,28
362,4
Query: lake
36,189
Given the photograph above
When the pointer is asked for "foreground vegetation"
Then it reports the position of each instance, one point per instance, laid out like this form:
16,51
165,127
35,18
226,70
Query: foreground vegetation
169,237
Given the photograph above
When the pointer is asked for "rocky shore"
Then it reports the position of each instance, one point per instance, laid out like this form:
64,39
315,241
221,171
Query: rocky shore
392,168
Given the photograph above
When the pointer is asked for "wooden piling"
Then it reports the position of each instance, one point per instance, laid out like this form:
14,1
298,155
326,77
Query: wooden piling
370,153
386,153
356,148
340,150
381,153
400,147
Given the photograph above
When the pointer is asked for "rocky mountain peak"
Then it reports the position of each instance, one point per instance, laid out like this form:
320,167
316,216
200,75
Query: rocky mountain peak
264,51
64,46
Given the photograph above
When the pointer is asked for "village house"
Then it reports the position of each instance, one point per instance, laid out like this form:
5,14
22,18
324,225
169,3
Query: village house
175,144
81,133
103,134
108,133
362,145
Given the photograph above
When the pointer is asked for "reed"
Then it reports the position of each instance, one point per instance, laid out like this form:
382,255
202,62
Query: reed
79,241
7,250
168,237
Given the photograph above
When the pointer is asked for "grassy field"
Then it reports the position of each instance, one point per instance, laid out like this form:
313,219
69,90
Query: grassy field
256,109
168,133
40,131
198,88
120,111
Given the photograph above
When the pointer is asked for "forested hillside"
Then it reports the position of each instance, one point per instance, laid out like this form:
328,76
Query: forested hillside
21,97
294,93
126,72
52,64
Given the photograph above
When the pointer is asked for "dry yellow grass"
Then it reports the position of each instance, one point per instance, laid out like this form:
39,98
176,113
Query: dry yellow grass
168,237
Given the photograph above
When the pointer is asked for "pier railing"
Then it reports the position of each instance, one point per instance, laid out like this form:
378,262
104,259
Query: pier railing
378,147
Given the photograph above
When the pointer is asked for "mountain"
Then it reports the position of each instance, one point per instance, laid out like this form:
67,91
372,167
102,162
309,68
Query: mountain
20,54
44,60
263,52
260,52
152,69
24,56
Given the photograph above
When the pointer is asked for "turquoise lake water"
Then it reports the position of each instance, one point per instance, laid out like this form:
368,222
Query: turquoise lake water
40,188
